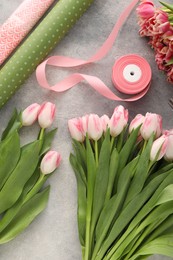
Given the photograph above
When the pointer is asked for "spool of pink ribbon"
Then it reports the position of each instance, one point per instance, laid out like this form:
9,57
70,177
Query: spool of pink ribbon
18,25
131,73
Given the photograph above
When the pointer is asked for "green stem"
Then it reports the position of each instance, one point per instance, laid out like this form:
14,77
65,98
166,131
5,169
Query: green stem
36,187
41,133
96,153
112,142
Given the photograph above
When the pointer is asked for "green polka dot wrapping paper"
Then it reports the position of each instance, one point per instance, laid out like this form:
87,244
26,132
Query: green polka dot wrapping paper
39,44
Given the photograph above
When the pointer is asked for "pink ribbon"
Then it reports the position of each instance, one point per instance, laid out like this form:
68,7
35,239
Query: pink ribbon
17,26
94,82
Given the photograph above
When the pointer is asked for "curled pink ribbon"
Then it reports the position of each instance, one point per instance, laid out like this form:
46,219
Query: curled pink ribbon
18,25
94,82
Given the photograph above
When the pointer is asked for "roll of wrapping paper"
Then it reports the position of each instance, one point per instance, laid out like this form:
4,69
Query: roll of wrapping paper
39,44
19,24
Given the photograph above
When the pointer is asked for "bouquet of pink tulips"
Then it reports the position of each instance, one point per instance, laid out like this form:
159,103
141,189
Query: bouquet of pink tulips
157,24
24,170
125,185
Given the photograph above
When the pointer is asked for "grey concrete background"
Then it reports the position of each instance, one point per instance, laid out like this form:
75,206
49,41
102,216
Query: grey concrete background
53,235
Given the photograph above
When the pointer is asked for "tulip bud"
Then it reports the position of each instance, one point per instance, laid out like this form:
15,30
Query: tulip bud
30,114
105,122
76,129
136,122
158,148
146,9
169,150
46,114
50,162
118,120
95,129
85,124
152,124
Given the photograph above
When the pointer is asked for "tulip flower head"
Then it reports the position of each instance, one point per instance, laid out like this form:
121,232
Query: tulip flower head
95,129
84,120
46,114
146,9
136,122
76,129
50,162
158,148
118,120
151,125
30,114
105,122
169,150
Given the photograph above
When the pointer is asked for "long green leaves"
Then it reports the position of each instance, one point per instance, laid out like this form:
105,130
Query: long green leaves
125,201
21,181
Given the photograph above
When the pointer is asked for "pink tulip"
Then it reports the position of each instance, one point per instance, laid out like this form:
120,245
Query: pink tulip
158,148
169,150
85,124
136,122
30,114
46,114
146,9
95,129
152,124
118,120
76,129
50,162
105,122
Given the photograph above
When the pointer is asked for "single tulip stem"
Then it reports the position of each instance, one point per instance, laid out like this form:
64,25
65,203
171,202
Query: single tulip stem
112,142
36,187
96,152
41,133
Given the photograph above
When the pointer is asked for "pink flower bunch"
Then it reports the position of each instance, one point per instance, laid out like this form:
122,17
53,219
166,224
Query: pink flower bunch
155,24
95,126
150,124
44,113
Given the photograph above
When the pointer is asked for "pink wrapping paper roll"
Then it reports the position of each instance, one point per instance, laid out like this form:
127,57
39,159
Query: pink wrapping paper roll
18,25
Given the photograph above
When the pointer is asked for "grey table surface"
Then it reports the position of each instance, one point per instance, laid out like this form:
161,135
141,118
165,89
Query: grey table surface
53,235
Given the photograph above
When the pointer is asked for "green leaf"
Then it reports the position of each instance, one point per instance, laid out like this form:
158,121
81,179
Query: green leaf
113,208
91,175
141,173
166,195
126,152
169,6
101,181
80,154
13,125
47,141
33,185
9,156
157,216
151,193
25,216
13,187
164,228
162,245
81,201
113,169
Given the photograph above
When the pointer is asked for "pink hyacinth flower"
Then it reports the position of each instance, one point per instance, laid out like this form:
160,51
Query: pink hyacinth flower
50,162
118,120
46,115
95,129
158,148
30,114
76,129
152,124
